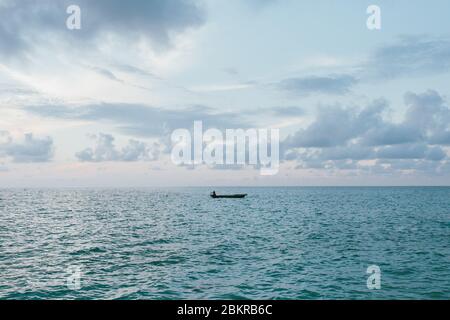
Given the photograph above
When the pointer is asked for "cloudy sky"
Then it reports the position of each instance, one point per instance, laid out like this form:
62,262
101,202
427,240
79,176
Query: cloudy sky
96,106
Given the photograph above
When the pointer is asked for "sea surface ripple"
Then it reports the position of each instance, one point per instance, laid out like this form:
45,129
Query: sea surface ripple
278,243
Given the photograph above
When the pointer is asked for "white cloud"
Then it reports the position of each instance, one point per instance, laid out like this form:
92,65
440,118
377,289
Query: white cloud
30,149
105,150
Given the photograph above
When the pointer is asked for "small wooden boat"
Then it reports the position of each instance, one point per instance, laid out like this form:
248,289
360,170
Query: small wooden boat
229,196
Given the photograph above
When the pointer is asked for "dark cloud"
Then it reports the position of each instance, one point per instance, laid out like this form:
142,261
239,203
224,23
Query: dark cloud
391,133
31,149
435,154
426,119
410,55
141,120
380,167
332,84
442,138
350,152
105,150
403,151
28,23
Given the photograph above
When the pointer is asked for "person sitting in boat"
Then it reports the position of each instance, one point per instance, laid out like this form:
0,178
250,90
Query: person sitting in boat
214,193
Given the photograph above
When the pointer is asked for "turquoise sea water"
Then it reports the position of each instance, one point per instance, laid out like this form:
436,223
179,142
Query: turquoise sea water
278,243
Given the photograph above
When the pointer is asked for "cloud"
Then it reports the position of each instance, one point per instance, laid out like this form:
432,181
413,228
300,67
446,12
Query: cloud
358,152
403,151
410,55
345,136
135,70
259,4
11,42
231,71
289,111
442,138
410,166
391,133
31,149
435,154
337,125
332,84
350,152
105,73
379,166
279,112
25,24
407,56
141,120
426,119
429,113
105,150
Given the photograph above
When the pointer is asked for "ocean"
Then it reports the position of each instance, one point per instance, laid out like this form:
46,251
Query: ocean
178,243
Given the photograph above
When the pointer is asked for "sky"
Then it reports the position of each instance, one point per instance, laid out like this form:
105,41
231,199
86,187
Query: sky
96,106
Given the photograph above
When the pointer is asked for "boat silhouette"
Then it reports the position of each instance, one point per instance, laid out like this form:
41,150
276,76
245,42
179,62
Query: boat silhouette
230,196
